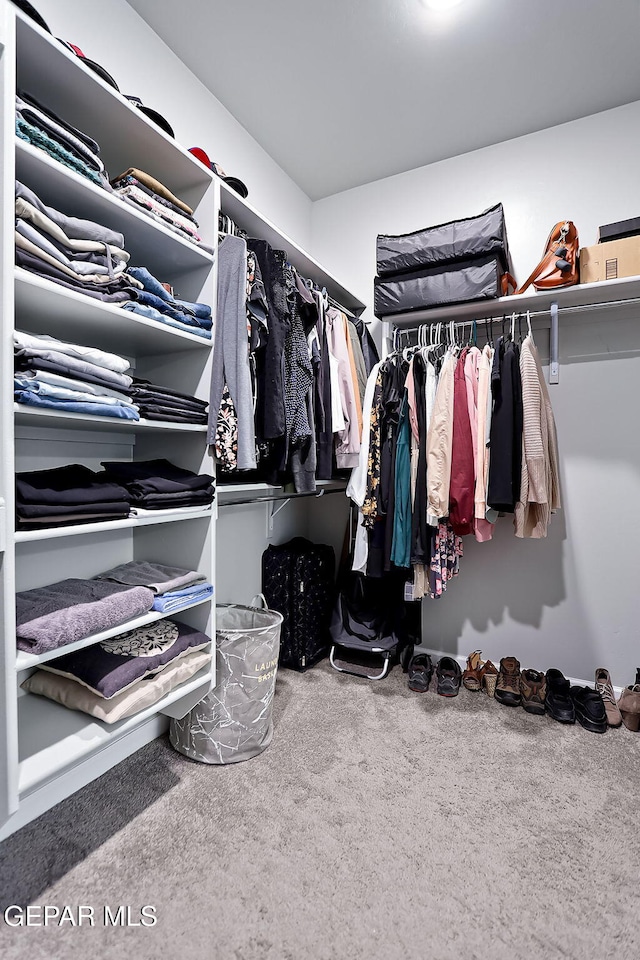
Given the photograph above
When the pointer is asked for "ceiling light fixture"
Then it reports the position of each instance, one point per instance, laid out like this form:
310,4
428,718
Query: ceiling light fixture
441,4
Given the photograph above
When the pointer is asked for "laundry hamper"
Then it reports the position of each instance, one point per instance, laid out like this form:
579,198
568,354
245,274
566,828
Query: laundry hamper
233,722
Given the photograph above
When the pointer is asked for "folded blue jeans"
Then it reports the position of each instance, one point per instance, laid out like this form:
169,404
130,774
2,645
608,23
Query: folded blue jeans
200,310
152,314
95,409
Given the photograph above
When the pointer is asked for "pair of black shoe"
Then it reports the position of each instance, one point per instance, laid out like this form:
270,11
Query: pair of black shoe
566,704
448,675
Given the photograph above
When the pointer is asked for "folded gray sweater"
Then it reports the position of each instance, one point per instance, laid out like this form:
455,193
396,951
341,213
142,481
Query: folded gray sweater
61,613
156,576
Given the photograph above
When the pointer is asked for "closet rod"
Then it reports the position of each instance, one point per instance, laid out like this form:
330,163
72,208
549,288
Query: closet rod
283,496
575,308
335,303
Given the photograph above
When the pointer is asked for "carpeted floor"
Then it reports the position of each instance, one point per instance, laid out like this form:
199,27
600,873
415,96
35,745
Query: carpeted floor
380,825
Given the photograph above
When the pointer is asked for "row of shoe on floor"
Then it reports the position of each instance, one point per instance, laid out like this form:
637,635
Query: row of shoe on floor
39,126
120,676
537,693
89,258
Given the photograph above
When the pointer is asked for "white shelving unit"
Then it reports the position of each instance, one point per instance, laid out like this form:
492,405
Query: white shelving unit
47,751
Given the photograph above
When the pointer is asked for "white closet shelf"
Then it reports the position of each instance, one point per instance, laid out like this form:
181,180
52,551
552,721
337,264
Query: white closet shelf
80,529
29,416
149,242
53,738
256,225
56,77
604,293
40,301
27,661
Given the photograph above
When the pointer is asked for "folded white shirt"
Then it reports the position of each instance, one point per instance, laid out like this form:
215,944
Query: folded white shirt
44,342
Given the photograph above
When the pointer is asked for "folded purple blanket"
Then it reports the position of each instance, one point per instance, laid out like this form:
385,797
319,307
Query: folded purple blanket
61,613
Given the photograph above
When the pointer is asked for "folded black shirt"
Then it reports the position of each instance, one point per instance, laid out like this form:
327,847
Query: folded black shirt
69,486
154,476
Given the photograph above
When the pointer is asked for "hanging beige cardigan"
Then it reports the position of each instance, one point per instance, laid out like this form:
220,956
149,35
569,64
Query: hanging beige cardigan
540,483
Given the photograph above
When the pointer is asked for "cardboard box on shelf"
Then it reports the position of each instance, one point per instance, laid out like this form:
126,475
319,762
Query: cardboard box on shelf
610,261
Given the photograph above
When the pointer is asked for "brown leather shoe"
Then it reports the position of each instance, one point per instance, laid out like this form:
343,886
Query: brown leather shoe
472,677
533,687
508,683
605,689
629,704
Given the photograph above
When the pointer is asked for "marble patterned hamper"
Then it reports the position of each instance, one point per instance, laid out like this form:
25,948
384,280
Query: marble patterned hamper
233,722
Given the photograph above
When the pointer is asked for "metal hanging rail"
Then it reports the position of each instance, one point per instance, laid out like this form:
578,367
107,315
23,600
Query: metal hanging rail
280,496
552,311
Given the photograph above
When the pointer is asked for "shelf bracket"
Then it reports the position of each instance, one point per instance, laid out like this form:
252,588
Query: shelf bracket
554,364
272,513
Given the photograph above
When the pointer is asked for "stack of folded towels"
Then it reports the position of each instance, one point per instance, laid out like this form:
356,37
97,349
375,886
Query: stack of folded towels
39,126
158,202
67,495
115,678
73,494
160,485
70,377
78,254
155,302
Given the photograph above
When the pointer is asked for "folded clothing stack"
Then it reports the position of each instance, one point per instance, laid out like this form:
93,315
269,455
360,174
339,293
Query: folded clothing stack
51,617
122,676
67,495
69,377
158,202
39,126
78,254
163,403
160,485
156,303
62,613
174,587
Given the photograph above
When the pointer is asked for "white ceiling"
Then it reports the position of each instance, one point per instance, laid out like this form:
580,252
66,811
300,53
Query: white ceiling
343,92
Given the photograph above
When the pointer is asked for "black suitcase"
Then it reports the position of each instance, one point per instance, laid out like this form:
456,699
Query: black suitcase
298,580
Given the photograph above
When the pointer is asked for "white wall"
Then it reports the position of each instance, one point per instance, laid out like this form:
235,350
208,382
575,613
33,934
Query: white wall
586,171
142,65
571,600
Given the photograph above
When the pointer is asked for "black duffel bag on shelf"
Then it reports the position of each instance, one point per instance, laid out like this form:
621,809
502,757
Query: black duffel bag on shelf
482,278
480,236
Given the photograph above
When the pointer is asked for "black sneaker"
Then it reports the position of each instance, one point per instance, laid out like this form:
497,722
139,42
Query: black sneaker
449,677
420,672
589,707
557,701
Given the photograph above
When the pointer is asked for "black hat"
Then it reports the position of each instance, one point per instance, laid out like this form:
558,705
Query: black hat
153,115
96,67
31,12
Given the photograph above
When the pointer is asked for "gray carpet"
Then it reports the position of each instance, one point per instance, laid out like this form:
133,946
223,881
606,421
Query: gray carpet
380,825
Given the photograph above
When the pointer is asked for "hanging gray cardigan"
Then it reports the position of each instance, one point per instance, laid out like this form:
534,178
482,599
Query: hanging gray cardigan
231,349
